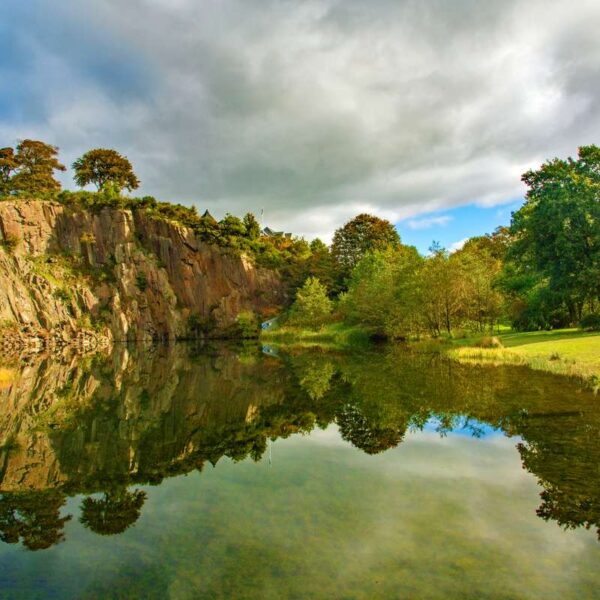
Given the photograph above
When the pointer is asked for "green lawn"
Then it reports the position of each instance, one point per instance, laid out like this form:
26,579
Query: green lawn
563,351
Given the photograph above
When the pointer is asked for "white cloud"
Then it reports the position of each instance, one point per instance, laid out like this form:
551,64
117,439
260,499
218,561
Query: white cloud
310,109
456,246
429,222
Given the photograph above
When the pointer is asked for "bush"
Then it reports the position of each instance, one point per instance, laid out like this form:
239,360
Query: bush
590,322
10,242
489,342
141,280
247,325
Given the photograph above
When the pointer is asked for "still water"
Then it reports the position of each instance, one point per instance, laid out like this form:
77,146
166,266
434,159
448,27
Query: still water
225,472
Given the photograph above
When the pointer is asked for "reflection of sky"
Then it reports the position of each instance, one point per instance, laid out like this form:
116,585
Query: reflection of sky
463,426
436,517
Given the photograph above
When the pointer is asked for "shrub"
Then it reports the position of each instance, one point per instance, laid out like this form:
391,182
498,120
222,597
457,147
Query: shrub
590,322
141,280
247,325
10,242
489,342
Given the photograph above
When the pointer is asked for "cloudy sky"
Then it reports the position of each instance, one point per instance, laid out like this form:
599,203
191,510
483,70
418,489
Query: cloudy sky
425,112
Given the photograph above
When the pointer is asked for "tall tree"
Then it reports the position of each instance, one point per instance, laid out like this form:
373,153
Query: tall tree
557,230
357,237
252,226
36,163
101,166
311,306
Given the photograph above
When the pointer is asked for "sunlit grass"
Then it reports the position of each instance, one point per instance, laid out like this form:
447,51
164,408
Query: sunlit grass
564,352
333,334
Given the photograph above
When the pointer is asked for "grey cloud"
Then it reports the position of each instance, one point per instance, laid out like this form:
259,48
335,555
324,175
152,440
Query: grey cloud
318,109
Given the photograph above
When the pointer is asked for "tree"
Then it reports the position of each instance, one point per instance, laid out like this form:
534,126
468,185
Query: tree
101,166
557,230
384,292
118,510
8,164
33,518
319,264
363,233
311,306
36,163
252,226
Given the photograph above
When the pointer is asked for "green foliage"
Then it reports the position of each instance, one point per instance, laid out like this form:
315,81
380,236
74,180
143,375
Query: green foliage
251,226
557,238
141,281
10,243
29,170
247,325
101,166
362,234
590,322
383,292
312,307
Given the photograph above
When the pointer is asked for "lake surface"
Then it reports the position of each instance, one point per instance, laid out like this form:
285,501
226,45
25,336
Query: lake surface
225,472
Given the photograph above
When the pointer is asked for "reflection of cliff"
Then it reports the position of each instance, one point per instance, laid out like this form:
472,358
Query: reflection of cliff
80,426
103,424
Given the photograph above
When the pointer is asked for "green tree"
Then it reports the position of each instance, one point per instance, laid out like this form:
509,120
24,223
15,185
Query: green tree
8,165
384,292
557,231
36,163
311,307
357,237
101,166
252,228
115,512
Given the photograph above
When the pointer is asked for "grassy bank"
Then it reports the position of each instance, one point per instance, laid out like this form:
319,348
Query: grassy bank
333,334
564,352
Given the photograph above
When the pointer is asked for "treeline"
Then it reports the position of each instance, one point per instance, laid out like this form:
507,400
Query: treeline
542,272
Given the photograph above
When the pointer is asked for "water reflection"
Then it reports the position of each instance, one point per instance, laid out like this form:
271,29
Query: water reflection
102,426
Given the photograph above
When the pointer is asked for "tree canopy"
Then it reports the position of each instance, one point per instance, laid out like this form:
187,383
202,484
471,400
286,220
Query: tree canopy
357,237
30,170
101,166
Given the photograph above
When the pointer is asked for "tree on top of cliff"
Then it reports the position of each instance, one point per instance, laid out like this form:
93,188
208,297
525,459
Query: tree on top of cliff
35,165
101,166
8,164
360,235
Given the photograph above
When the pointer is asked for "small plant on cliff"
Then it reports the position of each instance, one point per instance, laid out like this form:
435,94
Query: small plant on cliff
141,280
9,243
101,166
312,306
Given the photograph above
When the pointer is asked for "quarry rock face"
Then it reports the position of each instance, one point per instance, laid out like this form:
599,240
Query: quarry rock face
71,276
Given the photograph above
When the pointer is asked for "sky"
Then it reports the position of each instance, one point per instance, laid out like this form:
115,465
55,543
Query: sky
424,112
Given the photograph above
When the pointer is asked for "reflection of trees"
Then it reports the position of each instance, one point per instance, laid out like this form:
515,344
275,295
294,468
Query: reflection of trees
169,413
564,453
32,518
369,437
116,511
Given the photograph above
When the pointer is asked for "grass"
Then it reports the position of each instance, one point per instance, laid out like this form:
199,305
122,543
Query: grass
332,334
564,351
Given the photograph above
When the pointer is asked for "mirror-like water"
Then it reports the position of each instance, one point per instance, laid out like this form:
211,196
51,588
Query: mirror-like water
176,472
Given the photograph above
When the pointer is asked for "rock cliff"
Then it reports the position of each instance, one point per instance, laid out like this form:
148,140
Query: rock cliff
91,277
